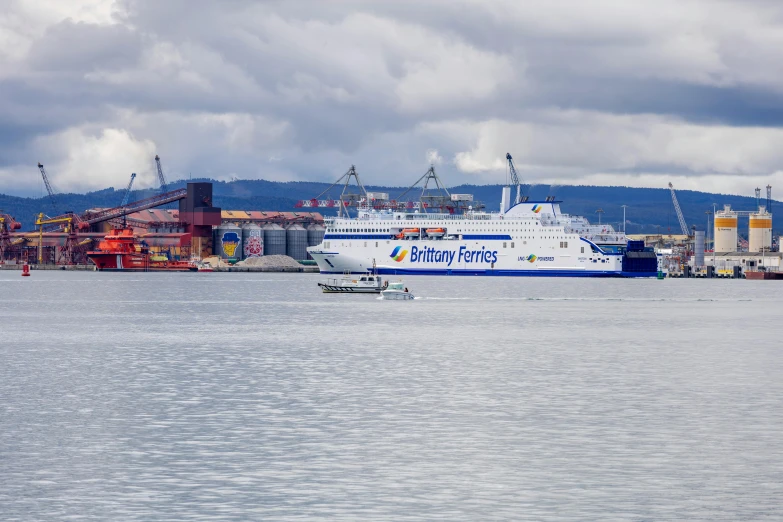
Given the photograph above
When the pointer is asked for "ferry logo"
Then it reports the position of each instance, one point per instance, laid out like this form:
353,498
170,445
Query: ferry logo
229,242
532,258
536,210
397,255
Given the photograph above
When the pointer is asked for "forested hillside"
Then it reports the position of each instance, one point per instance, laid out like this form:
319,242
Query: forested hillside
649,210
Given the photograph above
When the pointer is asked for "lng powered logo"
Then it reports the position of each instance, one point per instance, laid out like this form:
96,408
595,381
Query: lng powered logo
397,255
532,258
434,255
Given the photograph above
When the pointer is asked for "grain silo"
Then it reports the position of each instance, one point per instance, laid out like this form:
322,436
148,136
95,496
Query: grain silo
252,240
274,240
760,231
725,230
228,241
296,237
315,235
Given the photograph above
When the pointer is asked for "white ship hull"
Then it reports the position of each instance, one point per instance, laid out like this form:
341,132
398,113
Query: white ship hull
530,239
461,258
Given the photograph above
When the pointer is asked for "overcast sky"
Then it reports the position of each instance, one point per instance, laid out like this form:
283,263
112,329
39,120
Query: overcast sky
620,92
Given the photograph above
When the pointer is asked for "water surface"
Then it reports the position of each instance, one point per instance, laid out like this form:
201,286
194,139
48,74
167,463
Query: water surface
255,397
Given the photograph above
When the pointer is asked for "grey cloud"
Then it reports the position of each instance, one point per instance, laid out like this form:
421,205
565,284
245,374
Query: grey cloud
218,87
74,48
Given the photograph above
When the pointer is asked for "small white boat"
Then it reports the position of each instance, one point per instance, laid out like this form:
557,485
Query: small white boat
204,267
396,291
366,284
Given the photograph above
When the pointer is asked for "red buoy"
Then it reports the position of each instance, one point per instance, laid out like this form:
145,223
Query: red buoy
26,270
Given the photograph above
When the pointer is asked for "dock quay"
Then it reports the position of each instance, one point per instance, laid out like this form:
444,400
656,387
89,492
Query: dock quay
18,266
301,269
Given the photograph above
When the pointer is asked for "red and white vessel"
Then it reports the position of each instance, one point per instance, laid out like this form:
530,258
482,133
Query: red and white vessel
119,252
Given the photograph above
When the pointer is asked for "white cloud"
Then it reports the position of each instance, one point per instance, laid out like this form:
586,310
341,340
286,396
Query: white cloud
433,157
88,160
574,146
22,22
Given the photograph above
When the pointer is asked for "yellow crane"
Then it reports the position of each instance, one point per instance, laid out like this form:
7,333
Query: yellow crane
68,220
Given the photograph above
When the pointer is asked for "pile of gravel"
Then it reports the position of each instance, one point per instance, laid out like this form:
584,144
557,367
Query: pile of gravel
277,261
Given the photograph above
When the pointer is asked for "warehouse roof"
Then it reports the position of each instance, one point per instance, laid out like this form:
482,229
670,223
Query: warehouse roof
157,215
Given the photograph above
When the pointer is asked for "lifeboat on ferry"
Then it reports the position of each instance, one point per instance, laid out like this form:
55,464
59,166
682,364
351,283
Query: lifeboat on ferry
436,232
410,232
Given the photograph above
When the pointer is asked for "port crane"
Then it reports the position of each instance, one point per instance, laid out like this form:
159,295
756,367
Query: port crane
70,222
514,178
49,189
431,197
346,197
677,209
437,196
126,197
163,185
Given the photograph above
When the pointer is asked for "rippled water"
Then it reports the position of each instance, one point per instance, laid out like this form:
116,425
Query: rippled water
255,397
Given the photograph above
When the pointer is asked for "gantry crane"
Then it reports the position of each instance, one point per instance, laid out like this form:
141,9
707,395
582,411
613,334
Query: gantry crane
677,209
514,178
49,188
70,221
73,222
345,198
430,197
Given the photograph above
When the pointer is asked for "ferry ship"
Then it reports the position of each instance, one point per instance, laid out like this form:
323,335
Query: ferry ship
525,238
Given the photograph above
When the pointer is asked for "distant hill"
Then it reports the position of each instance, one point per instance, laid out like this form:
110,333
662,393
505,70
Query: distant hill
649,210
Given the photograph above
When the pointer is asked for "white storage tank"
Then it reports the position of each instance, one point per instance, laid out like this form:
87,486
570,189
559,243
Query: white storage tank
760,231
725,230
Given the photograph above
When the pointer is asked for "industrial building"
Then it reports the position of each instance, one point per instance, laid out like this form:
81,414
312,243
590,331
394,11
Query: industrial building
243,234
197,229
728,257
65,239
728,254
194,229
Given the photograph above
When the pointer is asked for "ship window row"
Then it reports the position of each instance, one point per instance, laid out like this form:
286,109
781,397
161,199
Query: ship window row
350,230
502,229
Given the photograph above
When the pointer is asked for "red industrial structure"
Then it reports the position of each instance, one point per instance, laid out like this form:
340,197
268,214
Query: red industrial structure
65,239
174,233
